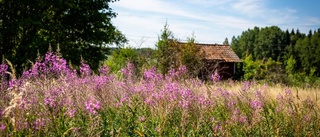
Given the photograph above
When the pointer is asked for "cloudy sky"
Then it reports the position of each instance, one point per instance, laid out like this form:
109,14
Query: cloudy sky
210,21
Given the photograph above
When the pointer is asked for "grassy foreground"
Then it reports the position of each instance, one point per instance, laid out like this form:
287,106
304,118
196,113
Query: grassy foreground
50,99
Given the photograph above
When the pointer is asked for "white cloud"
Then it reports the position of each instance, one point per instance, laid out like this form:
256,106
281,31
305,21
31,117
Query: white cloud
289,10
258,10
251,8
314,21
210,3
208,27
172,10
142,20
154,6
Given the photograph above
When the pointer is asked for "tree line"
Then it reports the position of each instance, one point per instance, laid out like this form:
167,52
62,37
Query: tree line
282,54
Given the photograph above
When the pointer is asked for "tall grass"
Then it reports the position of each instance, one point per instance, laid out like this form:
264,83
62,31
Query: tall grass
50,99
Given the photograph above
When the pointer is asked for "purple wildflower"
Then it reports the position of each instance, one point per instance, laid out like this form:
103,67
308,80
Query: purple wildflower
50,101
3,127
308,103
171,87
92,105
52,64
196,82
231,82
85,69
291,111
40,122
142,118
307,118
245,86
151,74
217,127
3,69
256,104
26,125
172,73
279,97
231,103
182,70
184,103
243,119
104,70
186,93
71,112
288,91
203,101
122,100
148,101
128,70
15,83
59,65
49,56
51,97
26,74
215,77
224,93
258,94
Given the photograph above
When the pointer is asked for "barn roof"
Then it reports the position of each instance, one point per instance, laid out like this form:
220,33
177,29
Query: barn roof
218,52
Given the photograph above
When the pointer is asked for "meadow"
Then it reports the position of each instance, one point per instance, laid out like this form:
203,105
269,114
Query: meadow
52,99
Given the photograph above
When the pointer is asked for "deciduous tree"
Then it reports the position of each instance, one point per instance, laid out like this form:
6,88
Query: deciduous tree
79,27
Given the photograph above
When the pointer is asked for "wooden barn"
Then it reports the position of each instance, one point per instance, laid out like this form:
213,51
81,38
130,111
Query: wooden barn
219,59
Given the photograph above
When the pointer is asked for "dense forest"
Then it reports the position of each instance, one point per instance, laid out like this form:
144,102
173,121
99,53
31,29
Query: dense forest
274,54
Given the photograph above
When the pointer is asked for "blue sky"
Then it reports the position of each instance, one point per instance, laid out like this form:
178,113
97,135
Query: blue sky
211,21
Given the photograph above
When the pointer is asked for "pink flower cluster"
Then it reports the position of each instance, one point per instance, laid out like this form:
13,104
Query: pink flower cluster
92,105
85,69
52,64
3,69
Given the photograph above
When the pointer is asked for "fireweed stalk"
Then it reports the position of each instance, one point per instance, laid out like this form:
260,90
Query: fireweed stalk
51,99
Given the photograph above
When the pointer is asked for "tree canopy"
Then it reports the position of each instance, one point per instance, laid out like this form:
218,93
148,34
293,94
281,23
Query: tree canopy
79,27
171,54
297,53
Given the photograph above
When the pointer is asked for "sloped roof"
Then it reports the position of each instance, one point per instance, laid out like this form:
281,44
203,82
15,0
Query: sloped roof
218,52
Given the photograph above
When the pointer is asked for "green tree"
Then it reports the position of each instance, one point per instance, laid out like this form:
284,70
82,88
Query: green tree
280,46
272,71
226,41
290,67
249,67
247,41
236,46
120,57
79,27
315,48
165,52
171,54
269,70
192,57
270,44
308,49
